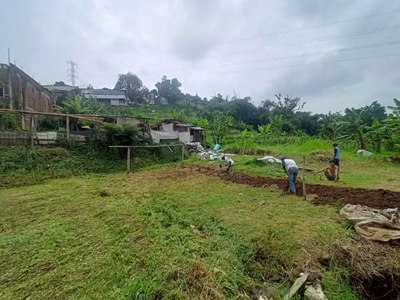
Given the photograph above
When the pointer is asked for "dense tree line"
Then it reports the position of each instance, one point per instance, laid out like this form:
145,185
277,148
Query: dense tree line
285,115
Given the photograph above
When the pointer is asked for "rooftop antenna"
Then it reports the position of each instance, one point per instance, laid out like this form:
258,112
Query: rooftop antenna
72,72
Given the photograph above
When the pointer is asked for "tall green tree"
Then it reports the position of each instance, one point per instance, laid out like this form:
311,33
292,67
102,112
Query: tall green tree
135,90
170,90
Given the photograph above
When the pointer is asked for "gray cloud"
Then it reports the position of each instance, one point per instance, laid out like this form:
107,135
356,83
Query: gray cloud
190,40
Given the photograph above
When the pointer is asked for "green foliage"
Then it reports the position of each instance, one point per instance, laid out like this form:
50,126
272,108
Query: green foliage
178,114
264,130
218,123
136,92
50,124
25,166
396,108
77,105
115,135
170,90
9,121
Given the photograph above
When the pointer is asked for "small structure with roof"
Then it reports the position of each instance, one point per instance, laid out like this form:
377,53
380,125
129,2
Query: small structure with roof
171,129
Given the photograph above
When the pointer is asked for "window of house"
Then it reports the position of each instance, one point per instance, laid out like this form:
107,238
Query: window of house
2,92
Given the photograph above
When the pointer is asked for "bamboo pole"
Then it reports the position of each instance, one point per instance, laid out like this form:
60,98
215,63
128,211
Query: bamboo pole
31,129
304,178
128,161
67,125
149,146
81,116
11,111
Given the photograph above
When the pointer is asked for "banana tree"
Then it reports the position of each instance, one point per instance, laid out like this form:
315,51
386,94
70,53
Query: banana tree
178,114
218,123
376,135
396,108
245,137
277,125
354,127
264,130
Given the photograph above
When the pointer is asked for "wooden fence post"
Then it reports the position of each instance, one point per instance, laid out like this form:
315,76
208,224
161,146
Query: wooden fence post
128,160
67,125
183,153
304,178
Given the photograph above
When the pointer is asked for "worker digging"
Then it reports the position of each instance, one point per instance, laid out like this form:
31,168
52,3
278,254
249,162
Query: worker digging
229,162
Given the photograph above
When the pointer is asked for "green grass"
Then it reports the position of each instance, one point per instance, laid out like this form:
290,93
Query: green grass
158,112
155,234
21,166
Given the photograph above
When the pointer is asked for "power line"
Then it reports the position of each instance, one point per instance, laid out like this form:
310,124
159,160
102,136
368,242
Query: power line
331,37
376,45
321,39
303,65
312,27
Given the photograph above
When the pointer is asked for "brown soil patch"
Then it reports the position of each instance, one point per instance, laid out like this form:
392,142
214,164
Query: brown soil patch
325,194
394,159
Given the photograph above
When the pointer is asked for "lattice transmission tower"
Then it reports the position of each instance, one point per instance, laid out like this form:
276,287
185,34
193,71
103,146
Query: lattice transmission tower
72,73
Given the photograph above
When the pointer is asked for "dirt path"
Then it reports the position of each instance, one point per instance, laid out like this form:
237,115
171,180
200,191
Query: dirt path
325,194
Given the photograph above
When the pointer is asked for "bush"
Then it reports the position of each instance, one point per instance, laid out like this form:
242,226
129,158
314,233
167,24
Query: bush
115,135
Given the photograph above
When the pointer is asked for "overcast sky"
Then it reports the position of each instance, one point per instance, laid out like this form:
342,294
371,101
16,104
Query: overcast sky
256,48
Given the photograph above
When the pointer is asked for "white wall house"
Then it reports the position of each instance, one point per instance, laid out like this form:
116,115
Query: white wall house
109,97
175,130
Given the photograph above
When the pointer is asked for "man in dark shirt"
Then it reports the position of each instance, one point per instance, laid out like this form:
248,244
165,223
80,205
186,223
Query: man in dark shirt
336,156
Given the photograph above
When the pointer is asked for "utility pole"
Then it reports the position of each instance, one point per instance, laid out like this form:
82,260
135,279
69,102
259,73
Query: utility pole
9,60
72,72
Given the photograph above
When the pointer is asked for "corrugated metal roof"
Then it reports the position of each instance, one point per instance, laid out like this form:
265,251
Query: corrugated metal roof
61,88
197,128
102,92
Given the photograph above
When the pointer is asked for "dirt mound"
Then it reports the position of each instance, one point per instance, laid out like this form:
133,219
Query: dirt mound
322,155
374,267
394,159
325,194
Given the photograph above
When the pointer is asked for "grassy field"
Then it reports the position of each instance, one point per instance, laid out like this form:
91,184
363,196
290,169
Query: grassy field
21,166
171,233
161,234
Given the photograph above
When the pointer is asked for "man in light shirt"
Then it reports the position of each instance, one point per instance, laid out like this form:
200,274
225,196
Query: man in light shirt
292,170
229,162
